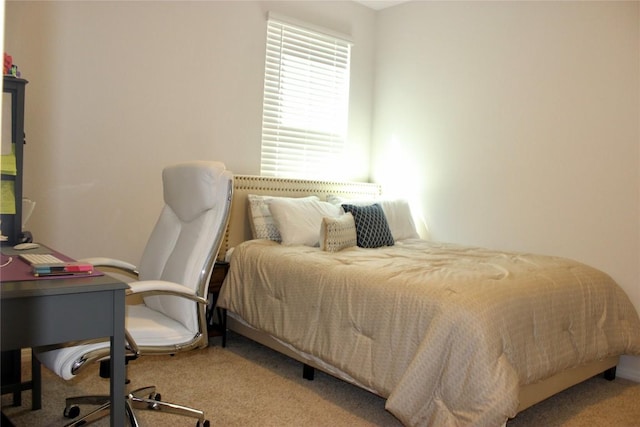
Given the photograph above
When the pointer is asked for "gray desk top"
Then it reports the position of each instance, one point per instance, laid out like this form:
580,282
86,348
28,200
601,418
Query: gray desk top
52,286
59,286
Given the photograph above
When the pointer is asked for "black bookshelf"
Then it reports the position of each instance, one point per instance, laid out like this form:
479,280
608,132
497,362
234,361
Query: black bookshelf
12,223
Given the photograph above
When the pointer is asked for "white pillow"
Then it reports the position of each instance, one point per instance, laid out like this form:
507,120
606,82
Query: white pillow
260,218
397,212
299,220
338,233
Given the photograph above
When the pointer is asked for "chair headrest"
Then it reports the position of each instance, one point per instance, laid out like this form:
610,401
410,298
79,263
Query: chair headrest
184,181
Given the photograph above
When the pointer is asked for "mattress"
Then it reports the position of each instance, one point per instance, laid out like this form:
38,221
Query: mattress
448,334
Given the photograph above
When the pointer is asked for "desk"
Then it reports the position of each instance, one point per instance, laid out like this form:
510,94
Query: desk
43,312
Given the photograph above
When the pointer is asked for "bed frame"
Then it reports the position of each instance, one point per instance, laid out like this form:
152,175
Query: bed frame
239,230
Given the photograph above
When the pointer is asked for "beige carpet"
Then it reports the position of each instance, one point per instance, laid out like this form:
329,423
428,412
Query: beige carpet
246,384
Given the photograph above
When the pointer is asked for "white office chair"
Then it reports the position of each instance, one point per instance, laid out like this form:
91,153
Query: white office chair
173,278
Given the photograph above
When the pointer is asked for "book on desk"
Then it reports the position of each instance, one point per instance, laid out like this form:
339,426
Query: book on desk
49,265
62,269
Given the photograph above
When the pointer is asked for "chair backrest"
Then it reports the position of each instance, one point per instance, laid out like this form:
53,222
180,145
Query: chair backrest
184,243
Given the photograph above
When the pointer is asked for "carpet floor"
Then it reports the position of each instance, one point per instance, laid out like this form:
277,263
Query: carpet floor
246,384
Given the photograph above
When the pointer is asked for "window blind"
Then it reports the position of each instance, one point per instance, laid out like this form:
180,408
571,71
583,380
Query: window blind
306,97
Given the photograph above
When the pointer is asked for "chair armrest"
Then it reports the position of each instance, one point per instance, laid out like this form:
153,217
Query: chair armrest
114,263
147,288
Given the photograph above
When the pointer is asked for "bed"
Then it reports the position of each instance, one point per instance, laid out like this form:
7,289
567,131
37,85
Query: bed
448,334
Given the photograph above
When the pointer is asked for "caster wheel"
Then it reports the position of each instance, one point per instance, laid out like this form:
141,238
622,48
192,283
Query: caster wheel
203,424
157,397
72,411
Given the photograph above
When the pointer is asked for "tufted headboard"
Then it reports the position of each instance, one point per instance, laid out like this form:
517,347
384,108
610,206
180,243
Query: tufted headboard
239,228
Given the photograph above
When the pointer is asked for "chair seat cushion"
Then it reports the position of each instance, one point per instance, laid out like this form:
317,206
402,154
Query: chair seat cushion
147,327
151,328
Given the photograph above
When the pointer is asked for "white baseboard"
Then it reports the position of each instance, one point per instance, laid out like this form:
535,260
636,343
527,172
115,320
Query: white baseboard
628,374
629,368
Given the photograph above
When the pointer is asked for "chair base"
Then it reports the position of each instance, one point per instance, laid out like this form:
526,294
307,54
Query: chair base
141,398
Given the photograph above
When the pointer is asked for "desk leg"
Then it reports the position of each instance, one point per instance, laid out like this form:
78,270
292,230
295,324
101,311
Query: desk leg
12,374
118,374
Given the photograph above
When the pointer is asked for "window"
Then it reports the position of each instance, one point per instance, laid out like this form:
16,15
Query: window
306,98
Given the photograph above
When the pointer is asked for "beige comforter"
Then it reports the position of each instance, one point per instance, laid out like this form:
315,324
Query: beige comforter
446,333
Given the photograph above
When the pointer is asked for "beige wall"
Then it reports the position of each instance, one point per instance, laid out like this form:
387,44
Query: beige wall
118,90
518,124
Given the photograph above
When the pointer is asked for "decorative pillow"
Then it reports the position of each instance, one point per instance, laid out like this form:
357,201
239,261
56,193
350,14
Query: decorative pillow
298,220
338,233
397,212
260,218
372,229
